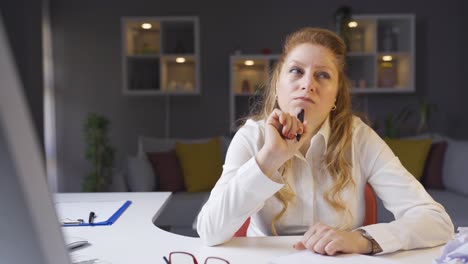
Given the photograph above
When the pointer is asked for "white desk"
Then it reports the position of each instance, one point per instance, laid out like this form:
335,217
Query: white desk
133,238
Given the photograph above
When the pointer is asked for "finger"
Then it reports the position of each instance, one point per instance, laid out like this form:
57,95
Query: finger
323,241
286,125
274,119
308,234
319,233
301,125
282,117
300,129
332,248
294,126
299,246
304,130
283,121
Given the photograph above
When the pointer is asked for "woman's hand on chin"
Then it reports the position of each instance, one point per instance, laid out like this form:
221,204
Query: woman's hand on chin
281,130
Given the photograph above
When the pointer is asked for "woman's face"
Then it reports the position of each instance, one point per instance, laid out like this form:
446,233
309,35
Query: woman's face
308,80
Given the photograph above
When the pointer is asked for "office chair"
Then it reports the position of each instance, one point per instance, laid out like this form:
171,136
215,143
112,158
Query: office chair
369,218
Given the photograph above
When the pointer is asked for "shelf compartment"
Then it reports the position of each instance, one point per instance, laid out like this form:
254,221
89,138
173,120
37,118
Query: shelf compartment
178,76
394,35
249,78
395,74
361,71
179,37
141,41
143,73
362,38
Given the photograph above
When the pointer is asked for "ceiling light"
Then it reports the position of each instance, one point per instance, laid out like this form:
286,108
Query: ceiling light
352,24
387,58
180,59
146,26
249,62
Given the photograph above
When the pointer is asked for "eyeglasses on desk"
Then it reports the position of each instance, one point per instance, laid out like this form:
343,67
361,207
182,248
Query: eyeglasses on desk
181,257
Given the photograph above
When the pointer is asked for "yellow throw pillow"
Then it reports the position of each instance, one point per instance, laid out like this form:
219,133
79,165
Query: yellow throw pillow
412,153
201,164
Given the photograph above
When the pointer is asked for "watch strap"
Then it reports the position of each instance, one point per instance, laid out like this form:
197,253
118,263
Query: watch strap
375,246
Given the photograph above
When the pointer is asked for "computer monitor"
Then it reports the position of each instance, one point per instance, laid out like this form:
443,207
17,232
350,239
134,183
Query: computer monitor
29,228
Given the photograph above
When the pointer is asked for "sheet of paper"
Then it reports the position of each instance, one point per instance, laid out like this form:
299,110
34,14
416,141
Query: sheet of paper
81,210
309,257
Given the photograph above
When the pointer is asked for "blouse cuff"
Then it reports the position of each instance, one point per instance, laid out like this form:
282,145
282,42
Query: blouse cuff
386,240
254,181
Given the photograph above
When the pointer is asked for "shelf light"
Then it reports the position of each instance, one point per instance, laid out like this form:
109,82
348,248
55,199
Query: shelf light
387,58
352,24
180,59
249,62
146,26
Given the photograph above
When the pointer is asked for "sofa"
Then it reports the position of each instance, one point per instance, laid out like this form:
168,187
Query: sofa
156,162
446,179
446,158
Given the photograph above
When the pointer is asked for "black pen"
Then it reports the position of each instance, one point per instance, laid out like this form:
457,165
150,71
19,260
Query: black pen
165,259
300,116
92,215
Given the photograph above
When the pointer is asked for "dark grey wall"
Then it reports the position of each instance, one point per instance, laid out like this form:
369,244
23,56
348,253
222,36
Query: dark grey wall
462,123
87,49
22,19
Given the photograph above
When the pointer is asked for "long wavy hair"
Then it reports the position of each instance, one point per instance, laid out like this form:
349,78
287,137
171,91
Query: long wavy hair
337,157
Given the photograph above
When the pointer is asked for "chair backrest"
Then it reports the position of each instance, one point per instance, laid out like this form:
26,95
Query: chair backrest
242,232
369,218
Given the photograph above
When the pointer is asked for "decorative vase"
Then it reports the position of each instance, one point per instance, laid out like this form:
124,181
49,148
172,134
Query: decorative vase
388,74
245,88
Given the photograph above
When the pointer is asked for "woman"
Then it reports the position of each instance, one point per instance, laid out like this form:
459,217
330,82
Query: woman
308,178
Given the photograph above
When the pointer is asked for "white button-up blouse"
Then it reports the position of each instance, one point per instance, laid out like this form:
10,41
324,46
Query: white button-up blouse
243,191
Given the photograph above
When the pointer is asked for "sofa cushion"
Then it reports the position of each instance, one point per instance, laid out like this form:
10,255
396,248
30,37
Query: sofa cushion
455,174
140,175
201,164
435,137
167,168
412,153
154,144
432,175
454,204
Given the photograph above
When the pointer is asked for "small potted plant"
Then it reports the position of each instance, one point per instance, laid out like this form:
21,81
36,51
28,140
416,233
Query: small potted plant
98,152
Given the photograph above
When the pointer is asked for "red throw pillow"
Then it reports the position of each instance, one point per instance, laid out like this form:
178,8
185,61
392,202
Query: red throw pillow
166,167
432,175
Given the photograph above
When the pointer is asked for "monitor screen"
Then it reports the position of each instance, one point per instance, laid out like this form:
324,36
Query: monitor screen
29,229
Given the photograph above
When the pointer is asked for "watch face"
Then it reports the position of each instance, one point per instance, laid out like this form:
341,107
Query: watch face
375,247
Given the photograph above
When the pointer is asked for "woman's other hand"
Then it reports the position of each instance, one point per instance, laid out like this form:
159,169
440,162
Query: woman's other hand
325,240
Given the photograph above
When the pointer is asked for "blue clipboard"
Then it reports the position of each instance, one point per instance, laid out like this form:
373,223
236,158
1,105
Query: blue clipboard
109,221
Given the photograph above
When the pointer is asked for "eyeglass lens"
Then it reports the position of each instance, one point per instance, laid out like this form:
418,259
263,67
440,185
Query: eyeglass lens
181,258
186,258
215,260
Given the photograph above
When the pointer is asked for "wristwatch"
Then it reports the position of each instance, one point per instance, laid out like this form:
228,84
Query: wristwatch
375,246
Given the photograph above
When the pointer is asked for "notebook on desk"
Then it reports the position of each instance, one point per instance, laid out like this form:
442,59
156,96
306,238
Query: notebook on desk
79,213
